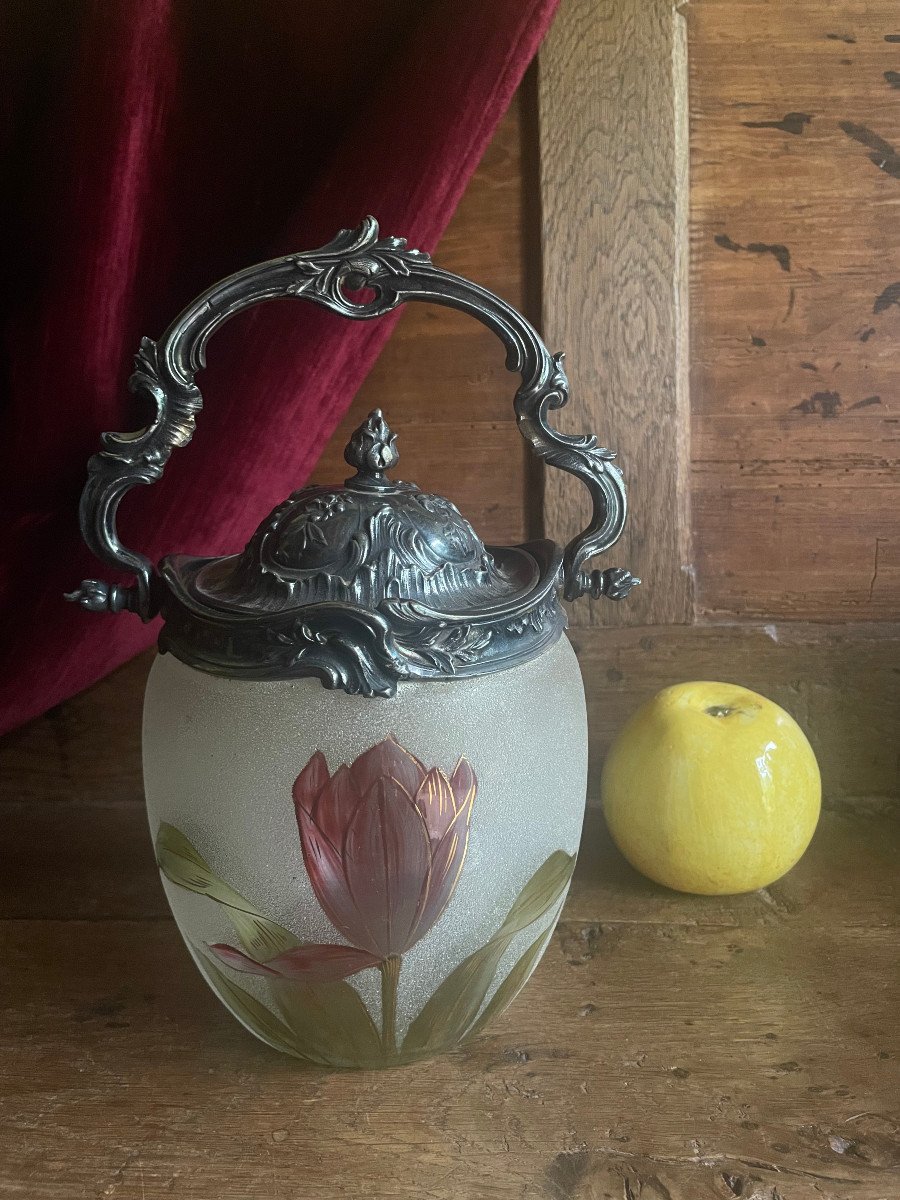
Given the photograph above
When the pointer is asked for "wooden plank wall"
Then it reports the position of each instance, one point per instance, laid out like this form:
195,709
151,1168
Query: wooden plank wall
788,456
795,251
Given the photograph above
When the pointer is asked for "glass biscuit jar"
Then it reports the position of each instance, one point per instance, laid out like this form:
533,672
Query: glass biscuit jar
365,742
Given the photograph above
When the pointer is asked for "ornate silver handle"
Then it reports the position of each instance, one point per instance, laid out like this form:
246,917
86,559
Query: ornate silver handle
165,371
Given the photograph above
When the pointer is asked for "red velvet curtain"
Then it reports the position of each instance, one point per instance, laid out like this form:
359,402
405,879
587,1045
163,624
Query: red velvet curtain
151,147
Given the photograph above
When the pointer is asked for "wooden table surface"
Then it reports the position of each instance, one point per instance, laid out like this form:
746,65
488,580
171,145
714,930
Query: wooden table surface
668,1047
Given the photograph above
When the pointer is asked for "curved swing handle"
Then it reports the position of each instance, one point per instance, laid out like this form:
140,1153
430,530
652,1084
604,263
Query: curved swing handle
165,370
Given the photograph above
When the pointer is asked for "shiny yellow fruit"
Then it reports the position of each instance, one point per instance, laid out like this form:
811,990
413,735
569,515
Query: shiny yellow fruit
711,788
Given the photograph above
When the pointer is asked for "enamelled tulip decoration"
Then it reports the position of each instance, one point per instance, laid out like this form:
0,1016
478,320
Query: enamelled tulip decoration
383,841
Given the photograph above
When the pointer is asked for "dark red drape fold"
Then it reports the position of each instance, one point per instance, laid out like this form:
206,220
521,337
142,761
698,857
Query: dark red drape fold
151,147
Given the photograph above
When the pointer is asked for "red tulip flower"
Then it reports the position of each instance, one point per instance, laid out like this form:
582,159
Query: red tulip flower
383,842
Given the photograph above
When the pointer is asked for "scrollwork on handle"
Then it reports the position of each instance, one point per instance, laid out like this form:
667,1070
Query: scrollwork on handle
165,372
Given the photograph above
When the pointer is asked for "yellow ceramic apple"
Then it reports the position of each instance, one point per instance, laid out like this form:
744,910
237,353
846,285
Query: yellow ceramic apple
711,788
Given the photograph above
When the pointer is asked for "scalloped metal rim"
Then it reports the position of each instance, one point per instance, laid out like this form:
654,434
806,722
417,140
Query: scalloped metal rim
366,652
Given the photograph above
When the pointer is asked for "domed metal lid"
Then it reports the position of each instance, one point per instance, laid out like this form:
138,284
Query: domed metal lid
363,585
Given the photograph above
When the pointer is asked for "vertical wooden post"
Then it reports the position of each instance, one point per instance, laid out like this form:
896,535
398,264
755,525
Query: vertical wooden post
612,100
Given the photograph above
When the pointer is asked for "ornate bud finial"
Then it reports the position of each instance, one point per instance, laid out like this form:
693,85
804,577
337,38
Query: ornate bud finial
372,450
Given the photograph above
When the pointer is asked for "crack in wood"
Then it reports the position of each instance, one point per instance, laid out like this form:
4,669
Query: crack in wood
874,579
713,1159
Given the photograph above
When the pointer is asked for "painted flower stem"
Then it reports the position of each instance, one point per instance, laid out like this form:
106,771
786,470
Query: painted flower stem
390,975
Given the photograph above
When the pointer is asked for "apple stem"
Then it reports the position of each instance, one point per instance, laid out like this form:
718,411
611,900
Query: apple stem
719,710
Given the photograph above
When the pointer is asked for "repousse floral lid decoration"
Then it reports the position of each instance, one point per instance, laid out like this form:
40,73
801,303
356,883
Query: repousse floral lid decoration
363,585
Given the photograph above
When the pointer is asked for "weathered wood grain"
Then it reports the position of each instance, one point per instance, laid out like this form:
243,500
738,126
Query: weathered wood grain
613,192
795,187
664,1051
441,380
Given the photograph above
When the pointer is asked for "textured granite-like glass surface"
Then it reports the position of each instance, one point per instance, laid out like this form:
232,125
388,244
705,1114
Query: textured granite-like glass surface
220,758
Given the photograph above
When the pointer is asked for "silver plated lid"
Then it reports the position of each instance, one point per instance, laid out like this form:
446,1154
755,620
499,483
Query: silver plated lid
373,582
363,585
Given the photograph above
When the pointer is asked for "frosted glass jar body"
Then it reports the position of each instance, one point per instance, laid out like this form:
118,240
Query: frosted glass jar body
365,881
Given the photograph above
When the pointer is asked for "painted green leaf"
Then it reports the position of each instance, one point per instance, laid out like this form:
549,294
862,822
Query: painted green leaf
183,865
328,1021
253,1013
509,988
541,892
451,1010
